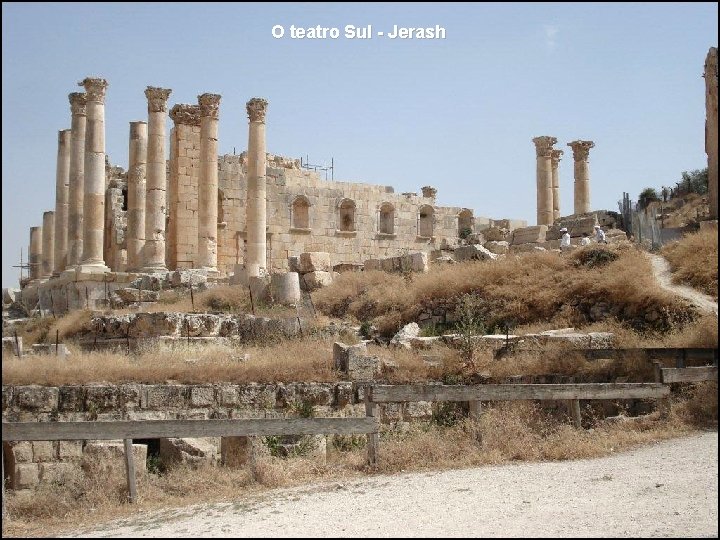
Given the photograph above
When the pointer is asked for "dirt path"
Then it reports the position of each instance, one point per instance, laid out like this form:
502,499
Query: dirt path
661,269
663,490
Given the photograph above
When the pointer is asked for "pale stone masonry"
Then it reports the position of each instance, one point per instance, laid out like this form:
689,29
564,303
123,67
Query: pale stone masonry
48,241
76,191
581,152
62,194
155,198
94,178
256,217
208,183
555,157
543,150
182,239
711,128
35,253
135,237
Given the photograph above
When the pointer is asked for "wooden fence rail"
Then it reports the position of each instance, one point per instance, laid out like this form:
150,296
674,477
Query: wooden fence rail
691,374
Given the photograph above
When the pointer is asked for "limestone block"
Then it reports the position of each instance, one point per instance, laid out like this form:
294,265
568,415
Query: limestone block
526,248
348,267
58,473
405,336
60,350
601,340
240,451
417,410
259,288
22,451
36,398
10,295
101,398
162,396
317,261
202,396
130,295
497,234
43,451
363,368
316,280
201,325
70,450
186,278
372,264
527,235
113,454
24,475
576,226
498,247
419,262
192,451
343,353
285,288
10,347
294,263
473,252
156,324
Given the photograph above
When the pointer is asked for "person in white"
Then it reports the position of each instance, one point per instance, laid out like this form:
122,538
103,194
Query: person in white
565,240
585,240
599,235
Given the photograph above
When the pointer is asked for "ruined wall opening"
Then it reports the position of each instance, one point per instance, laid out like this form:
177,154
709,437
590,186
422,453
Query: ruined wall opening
346,215
153,453
300,213
387,219
466,223
124,200
425,221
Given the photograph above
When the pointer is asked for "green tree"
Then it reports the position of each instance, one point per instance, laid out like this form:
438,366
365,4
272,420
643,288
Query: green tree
647,196
693,182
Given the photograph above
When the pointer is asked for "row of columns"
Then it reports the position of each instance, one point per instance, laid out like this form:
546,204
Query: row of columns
72,235
548,179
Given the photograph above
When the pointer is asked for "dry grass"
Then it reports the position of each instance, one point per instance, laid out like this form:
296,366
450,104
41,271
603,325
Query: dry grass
526,289
506,432
694,260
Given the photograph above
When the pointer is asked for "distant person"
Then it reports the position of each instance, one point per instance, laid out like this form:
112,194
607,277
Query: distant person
585,241
565,239
600,235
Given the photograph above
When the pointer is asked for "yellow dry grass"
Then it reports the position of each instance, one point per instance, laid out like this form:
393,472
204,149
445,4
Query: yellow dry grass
694,260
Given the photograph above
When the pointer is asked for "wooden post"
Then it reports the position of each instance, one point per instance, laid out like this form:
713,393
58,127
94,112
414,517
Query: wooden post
139,292
192,297
130,471
373,439
52,304
575,409
18,350
475,409
87,299
663,403
57,341
252,304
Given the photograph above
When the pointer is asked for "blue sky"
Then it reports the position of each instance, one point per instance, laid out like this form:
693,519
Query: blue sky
458,113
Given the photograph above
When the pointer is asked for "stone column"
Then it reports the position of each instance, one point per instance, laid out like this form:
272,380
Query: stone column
711,128
137,162
48,244
581,150
156,180
76,191
94,177
208,185
256,206
555,157
62,193
543,150
35,252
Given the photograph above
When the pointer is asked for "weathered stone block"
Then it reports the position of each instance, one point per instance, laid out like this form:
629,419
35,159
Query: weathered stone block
499,248
202,396
43,451
70,450
473,252
316,280
10,347
71,398
527,235
192,451
317,261
130,295
36,398
58,473
101,398
113,454
24,475
343,353
21,450
419,262
163,396
405,335
59,350
372,264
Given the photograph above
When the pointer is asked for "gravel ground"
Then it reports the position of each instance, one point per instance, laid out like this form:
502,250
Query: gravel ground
667,489
661,269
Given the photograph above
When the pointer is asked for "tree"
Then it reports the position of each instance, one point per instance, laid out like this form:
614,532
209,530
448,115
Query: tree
647,196
693,182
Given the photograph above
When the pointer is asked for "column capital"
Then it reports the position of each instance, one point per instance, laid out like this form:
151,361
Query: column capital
78,101
157,98
187,115
94,88
256,109
209,105
555,156
543,145
581,149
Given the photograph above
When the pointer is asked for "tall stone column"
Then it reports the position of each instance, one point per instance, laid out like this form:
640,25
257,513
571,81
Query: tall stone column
76,191
94,197
208,185
62,194
35,252
48,245
135,236
156,181
555,157
543,150
711,128
581,151
256,206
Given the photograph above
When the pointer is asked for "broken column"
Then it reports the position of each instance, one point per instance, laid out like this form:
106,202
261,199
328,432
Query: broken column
711,128
48,243
94,177
208,184
581,151
182,233
35,253
543,150
155,195
136,195
62,193
76,190
256,195
555,157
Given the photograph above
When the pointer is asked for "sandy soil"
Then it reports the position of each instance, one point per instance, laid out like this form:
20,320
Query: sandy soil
661,269
668,489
